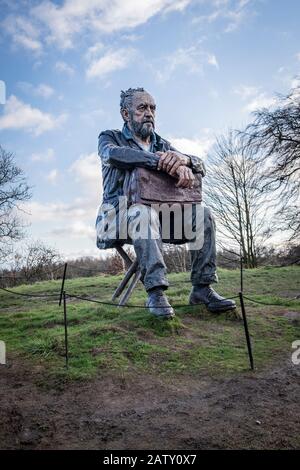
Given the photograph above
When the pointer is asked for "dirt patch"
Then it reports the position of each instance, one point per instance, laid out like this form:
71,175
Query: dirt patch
292,316
249,410
289,294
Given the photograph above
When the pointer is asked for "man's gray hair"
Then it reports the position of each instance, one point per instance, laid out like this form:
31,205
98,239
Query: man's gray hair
127,96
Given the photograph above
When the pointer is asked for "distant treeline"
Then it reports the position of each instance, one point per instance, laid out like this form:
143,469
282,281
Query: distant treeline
177,259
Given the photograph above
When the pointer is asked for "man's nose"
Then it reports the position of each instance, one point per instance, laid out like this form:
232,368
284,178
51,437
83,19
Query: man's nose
149,113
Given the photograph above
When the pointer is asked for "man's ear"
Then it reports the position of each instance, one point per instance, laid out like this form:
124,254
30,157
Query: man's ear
125,114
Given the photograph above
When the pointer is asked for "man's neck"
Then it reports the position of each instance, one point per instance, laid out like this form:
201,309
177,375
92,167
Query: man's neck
146,141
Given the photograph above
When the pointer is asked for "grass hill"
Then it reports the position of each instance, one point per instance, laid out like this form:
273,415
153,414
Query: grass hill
109,338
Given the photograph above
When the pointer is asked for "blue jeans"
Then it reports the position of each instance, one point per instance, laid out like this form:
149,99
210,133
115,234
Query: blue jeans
148,248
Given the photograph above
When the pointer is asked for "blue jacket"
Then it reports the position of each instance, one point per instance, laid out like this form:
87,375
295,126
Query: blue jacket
120,153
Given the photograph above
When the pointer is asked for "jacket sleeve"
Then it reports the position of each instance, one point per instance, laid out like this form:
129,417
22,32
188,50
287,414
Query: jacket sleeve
197,165
124,158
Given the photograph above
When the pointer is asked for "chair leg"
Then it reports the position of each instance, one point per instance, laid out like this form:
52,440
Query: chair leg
124,255
130,288
130,272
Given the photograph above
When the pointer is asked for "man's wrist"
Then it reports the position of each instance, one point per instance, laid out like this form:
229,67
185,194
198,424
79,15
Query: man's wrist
188,161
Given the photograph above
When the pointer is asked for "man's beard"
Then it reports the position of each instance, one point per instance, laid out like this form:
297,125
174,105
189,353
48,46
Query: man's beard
141,130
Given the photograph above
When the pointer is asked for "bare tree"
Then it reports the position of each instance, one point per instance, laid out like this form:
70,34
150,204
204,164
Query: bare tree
274,136
40,260
36,262
232,190
113,264
13,190
176,257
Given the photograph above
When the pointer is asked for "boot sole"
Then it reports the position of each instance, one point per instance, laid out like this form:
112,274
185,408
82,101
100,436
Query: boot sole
163,316
219,310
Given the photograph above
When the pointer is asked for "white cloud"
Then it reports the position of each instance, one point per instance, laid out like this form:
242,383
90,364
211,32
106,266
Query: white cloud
233,12
288,76
192,59
119,15
212,60
63,67
76,218
60,24
295,82
23,33
94,51
179,5
19,115
257,99
262,100
110,61
77,229
245,91
87,171
52,176
131,37
198,146
46,156
70,227
298,56
79,209
43,90
92,116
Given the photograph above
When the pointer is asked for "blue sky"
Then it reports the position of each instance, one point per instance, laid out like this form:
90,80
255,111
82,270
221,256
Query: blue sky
208,64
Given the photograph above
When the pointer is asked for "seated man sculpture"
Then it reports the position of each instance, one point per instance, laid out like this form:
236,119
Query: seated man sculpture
138,145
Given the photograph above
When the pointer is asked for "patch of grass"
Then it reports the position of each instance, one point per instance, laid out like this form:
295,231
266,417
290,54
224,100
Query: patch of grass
108,338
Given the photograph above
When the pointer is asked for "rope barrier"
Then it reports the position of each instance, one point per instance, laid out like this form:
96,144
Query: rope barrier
29,295
134,306
13,276
265,303
98,301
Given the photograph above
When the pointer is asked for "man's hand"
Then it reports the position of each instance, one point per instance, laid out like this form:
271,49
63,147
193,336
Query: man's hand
170,161
186,177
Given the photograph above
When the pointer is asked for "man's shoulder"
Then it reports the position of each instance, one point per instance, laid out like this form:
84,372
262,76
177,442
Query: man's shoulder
111,132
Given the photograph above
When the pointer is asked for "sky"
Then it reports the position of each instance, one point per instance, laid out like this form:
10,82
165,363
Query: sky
207,63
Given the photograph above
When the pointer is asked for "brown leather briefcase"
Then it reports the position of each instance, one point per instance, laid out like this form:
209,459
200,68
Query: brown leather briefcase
157,187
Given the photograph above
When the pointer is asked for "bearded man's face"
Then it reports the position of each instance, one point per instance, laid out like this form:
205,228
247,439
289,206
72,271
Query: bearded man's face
142,115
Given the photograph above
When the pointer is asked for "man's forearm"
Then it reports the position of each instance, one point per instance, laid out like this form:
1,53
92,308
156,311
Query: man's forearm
125,158
189,161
